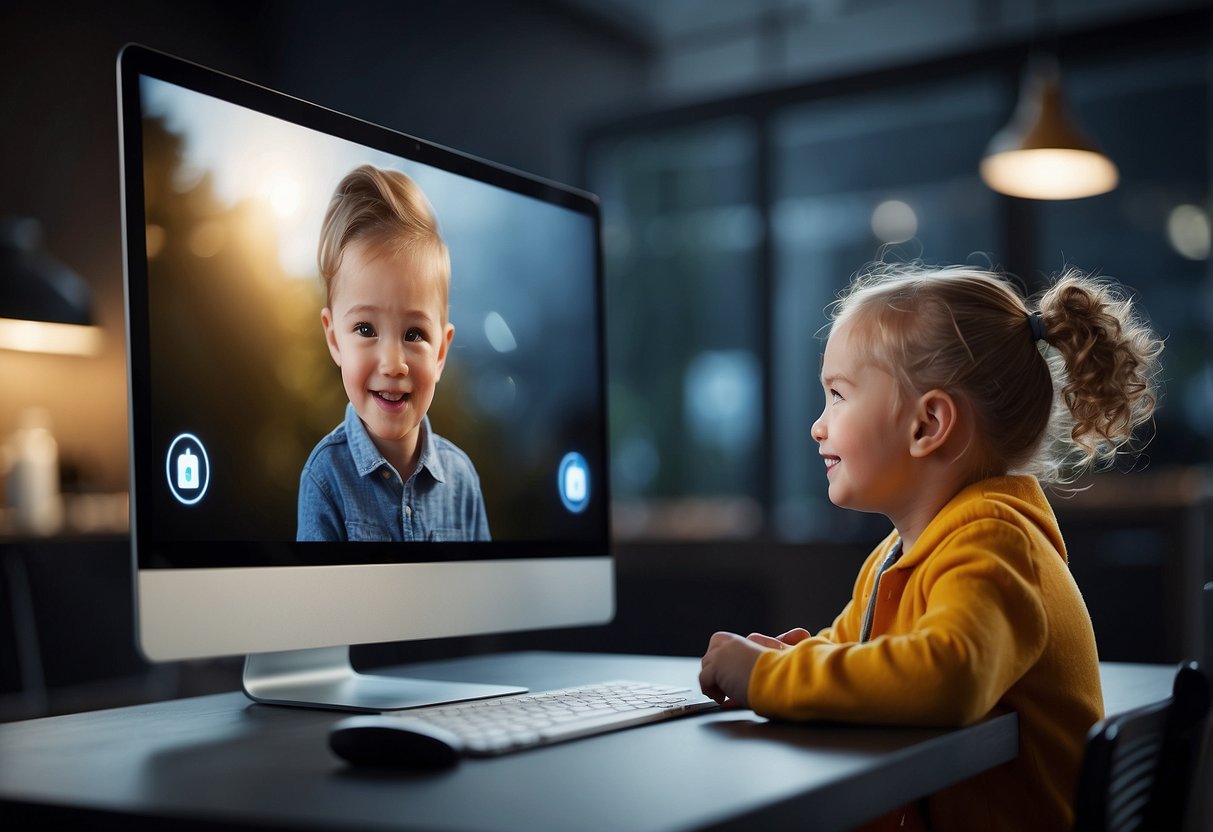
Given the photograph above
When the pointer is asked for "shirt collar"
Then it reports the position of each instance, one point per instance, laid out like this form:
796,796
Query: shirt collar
430,460
368,460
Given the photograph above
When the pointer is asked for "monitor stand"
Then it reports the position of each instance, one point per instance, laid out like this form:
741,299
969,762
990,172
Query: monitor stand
323,677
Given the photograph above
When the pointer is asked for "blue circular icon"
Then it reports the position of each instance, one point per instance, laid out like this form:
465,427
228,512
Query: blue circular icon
188,469
573,482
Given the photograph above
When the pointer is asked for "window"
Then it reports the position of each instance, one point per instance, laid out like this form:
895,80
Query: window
681,241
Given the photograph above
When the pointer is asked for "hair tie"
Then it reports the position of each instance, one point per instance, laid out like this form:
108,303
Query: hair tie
1036,325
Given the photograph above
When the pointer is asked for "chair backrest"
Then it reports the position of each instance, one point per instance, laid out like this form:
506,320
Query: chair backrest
1184,743
1137,770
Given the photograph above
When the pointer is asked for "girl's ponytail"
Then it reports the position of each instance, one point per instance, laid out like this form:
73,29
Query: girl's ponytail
1111,361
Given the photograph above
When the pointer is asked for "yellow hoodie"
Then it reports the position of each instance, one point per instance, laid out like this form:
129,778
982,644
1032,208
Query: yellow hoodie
982,615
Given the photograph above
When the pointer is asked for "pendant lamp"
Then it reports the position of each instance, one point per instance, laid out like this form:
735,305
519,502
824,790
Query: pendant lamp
1041,153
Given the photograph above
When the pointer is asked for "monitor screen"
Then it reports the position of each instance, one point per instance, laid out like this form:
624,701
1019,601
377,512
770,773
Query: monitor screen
367,393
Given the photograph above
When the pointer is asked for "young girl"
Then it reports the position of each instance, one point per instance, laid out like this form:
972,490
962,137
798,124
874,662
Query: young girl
948,402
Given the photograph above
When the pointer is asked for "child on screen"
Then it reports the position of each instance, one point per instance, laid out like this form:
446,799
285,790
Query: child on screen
383,474
948,402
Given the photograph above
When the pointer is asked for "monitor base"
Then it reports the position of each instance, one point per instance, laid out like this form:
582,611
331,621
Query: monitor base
323,677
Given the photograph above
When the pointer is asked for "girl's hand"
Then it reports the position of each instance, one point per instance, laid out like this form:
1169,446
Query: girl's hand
726,668
783,641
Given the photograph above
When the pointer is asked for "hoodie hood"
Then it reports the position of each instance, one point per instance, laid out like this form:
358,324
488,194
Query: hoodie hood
1017,499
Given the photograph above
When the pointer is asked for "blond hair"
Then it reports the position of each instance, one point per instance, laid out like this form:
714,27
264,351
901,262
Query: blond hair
1054,407
385,208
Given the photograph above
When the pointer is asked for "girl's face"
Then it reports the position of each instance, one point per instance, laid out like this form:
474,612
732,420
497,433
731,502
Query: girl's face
864,432
386,328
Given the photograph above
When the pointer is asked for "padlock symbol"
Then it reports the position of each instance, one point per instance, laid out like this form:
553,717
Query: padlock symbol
574,483
187,470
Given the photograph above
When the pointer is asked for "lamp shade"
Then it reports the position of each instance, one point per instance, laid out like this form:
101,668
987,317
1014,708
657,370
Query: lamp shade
44,305
1041,153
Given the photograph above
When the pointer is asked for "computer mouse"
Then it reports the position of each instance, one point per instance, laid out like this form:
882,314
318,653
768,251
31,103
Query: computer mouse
394,742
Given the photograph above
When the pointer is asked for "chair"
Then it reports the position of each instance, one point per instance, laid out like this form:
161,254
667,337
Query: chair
1138,765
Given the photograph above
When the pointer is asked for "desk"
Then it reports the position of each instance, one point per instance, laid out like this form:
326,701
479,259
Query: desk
222,760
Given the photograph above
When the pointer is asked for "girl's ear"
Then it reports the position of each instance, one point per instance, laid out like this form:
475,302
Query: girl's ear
934,421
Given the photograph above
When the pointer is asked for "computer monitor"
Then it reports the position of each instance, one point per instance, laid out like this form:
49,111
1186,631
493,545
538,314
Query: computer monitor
235,387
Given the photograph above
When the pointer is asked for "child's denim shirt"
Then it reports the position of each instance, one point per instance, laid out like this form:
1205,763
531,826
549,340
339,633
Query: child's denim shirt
348,491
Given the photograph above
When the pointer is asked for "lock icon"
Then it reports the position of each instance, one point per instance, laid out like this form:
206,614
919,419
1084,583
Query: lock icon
187,470
574,483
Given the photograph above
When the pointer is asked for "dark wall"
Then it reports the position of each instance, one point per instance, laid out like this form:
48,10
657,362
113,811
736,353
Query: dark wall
512,82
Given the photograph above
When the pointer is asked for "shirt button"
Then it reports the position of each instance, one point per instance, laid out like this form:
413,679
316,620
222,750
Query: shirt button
408,510
385,473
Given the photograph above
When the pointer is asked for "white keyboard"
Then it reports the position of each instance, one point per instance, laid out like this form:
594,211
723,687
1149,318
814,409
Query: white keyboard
496,726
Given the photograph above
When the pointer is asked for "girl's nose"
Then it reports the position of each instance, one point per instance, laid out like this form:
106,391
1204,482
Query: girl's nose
819,429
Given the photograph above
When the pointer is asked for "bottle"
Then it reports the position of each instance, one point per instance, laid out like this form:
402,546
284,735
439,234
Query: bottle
33,485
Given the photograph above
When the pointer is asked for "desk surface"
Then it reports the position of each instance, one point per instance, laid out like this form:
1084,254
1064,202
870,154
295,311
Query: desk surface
224,760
